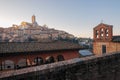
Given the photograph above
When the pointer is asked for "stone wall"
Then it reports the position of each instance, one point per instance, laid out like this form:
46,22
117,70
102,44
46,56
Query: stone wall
99,67
110,47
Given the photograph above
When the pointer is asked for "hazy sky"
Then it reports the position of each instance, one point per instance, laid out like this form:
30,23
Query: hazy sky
77,17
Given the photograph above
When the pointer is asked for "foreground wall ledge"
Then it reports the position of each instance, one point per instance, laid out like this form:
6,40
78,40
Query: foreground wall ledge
43,69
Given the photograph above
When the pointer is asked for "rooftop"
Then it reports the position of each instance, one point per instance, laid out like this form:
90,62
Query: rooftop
37,46
85,53
107,25
116,38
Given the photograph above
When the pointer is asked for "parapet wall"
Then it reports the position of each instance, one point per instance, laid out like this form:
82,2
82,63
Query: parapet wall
99,67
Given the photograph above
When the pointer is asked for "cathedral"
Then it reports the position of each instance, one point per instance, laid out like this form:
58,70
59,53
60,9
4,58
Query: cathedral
27,24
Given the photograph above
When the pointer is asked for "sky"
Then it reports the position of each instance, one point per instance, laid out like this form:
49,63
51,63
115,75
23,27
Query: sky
77,17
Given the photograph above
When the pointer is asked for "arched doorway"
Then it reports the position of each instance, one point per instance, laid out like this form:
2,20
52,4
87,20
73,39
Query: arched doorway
8,64
38,61
60,58
21,63
49,59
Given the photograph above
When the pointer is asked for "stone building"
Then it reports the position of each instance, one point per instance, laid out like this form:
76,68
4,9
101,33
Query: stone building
104,41
19,55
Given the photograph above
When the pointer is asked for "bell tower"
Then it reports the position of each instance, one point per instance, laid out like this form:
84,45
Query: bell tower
103,32
33,19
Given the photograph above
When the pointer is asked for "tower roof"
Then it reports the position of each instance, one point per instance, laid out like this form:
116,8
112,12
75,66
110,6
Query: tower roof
103,24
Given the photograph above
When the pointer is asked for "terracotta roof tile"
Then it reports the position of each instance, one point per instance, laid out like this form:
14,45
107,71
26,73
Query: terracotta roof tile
37,46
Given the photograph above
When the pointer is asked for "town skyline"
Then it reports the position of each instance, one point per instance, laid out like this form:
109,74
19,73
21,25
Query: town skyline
76,17
32,31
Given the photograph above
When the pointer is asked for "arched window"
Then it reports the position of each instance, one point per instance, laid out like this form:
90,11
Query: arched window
102,29
60,58
8,64
97,32
49,59
38,61
97,36
21,63
101,33
107,31
107,35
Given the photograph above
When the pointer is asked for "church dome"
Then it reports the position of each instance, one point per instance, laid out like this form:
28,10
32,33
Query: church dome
23,23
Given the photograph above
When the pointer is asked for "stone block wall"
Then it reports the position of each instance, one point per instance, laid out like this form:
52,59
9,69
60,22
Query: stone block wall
98,67
110,47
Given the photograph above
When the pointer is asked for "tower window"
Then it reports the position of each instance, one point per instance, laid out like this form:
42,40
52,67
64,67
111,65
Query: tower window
97,36
102,29
107,35
107,30
97,32
101,34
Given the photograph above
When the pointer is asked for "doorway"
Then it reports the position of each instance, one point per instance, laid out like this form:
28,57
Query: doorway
103,49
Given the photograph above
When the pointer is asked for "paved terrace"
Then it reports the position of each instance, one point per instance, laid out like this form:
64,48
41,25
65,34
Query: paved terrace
99,67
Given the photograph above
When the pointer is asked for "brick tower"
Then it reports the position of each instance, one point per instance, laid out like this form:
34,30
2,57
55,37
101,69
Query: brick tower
33,19
103,32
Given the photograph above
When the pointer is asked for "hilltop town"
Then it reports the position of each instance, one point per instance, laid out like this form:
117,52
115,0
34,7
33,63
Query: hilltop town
27,32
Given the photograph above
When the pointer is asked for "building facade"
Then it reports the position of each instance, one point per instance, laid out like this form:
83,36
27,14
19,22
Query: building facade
104,41
20,55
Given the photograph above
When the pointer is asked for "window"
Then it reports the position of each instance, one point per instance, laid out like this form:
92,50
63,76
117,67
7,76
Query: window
49,59
60,58
101,34
97,36
8,64
97,32
102,29
107,32
107,35
38,61
21,63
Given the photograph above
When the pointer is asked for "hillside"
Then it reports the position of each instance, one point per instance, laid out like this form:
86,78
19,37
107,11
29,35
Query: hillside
26,32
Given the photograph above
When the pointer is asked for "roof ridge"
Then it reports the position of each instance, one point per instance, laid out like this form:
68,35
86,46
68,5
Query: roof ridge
107,25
